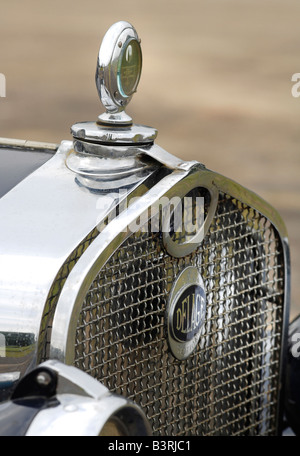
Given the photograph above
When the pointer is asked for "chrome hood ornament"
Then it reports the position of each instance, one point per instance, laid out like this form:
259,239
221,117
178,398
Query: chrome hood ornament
118,72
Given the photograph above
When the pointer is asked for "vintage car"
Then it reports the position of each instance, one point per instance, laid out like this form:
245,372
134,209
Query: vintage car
140,294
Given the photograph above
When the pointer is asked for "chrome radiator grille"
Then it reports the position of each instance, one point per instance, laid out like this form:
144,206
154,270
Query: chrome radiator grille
229,385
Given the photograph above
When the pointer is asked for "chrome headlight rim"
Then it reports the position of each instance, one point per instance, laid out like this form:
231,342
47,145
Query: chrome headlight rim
76,415
61,400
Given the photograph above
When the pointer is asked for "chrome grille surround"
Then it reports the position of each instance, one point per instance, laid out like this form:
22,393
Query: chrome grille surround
230,384
54,293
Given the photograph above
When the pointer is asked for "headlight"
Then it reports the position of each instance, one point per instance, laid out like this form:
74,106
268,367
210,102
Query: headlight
59,400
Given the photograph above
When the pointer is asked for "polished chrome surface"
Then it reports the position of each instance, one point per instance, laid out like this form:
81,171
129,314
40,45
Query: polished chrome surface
136,151
115,329
85,407
109,57
73,381
169,160
44,220
77,416
107,167
115,126
134,134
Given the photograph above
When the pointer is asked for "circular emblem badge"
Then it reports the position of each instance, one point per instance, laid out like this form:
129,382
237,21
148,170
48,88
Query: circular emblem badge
186,312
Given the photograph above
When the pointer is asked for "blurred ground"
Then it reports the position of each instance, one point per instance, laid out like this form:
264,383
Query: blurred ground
216,83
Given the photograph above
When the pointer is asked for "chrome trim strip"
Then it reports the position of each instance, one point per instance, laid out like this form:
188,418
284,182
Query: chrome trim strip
251,199
24,144
170,161
284,337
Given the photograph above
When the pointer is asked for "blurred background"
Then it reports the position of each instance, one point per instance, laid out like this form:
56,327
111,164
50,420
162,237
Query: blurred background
216,84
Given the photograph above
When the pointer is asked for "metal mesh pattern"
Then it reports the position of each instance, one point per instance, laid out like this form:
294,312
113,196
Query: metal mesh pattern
228,386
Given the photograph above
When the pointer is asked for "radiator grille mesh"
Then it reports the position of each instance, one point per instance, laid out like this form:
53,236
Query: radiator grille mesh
228,386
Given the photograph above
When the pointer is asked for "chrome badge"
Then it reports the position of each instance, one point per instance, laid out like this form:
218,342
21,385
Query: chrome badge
186,312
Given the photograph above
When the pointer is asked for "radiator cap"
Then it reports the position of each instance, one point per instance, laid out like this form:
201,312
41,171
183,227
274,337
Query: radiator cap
118,72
